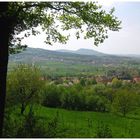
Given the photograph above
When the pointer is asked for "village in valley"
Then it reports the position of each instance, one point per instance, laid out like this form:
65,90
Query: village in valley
69,81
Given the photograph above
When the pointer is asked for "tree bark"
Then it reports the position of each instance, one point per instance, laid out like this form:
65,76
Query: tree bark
22,108
4,39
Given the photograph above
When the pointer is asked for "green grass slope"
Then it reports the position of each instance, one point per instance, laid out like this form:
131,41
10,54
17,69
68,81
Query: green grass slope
83,124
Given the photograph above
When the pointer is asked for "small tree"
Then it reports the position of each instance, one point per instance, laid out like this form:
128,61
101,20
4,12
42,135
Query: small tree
124,102
116,83
24,86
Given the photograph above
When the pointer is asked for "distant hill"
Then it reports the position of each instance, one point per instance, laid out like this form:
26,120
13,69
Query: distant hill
81,56
131,55
84,52
66,63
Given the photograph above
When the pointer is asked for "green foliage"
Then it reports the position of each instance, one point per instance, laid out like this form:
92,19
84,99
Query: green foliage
24,86
91,102
70,98
17,49
86,17
61,123
12,122
52,96
123,72
82,82
94,82
31,127
75,123
99,89
29,124
10,125
75,97
52,126
124,102
103,131
97,103
116,83
109,94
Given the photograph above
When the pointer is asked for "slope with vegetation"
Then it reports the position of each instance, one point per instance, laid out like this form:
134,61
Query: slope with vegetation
86,109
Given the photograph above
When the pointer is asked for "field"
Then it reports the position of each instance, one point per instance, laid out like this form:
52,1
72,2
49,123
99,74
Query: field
84,124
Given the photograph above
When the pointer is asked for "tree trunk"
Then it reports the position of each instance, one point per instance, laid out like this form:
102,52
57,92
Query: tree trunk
4,39
22,109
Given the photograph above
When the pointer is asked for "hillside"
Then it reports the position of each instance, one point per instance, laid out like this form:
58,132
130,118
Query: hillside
32,55
55,63
84,52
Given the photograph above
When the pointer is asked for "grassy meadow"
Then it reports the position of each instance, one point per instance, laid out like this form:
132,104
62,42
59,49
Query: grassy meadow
84,124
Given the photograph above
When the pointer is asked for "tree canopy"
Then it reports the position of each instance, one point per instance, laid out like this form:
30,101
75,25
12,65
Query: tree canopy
24,86
88,18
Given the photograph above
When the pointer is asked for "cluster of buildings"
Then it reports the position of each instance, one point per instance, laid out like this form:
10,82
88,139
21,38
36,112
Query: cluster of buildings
99,79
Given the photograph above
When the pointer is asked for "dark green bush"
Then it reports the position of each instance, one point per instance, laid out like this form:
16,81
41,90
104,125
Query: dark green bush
52,96
103,131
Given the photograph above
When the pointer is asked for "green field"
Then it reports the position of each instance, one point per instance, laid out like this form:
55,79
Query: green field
81,124
58,69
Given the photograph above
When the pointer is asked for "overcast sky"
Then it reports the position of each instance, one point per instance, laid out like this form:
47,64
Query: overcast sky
126,41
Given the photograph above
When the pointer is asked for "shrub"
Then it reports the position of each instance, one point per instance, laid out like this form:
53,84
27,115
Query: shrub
52,96
97,103
103,131
11,124
31,127
124,102
73,99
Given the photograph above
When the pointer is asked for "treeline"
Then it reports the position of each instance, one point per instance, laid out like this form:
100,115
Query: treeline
25,86
98,97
